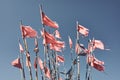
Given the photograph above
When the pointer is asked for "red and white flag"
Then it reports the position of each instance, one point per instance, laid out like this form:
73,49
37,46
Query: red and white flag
57,34
21,48
98,67
28,62
77,48
55,48
95,63
84,31
40,62
70,42
47,73
98,44
60,58
47,21
35,63
16,63
50,39
28,32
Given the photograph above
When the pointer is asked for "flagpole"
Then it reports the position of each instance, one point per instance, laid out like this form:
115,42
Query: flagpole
36,50
22,71
78,57
44,37
26,49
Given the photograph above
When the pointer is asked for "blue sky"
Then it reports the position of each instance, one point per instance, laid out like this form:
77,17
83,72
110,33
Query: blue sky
101,17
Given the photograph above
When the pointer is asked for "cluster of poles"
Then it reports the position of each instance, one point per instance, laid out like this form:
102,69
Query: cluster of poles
49,67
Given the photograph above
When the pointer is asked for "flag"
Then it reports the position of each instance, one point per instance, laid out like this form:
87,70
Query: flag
83,50
57,34
21,48
55,48
70,73
16,63
60,58
47,21
77,48
90,47
47,37
47,73
28,32
40,62
98,44
28,63
98,67
84,31
95,63
50,39
35,63
36,49
70,42
90,59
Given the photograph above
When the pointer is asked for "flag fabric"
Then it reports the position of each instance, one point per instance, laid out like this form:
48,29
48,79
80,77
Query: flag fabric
95,44
28,32
35,63
47,37
77,48
21,48
55,48
47,72
50,39
98,67
47,21
57,34
40,62
81,50
84,31
36,49
16,63
90,47
70,42
60,58
95,63
98,44
28,62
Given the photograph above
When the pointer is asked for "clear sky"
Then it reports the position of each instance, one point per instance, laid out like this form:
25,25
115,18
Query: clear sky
101,17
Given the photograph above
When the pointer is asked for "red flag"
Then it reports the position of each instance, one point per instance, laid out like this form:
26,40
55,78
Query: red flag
98,44
90,59
84,31
97,64
36,49
40,62
28,63
47,21
90,47
60,58
50,39
35,63
55,48
57,34
16,63
47,73
21,48
28,32
70,41
77,48
98,67
98,61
